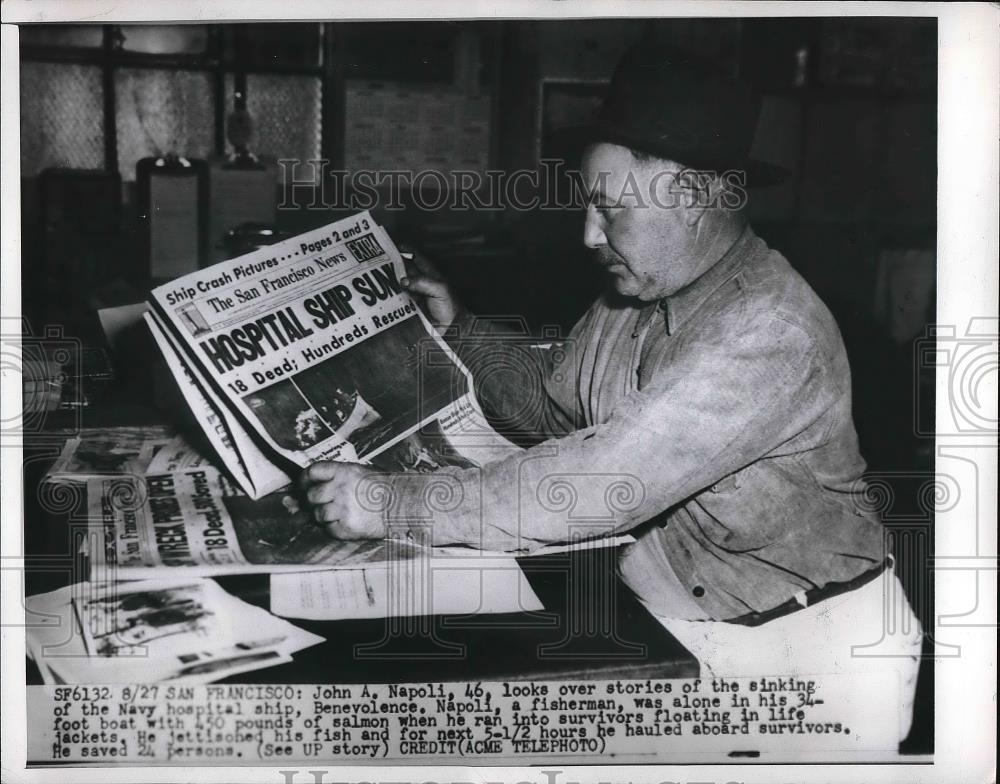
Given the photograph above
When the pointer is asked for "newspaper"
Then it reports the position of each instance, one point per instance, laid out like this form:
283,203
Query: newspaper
186,629
197,520
310,350
234,445
97,452
175,455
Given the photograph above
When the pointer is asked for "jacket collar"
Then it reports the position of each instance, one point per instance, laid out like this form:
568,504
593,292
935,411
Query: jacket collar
679,307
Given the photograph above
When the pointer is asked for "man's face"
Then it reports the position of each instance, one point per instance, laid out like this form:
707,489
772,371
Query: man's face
640,238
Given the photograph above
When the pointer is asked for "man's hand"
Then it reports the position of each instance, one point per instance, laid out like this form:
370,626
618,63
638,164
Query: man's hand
332,490
431,291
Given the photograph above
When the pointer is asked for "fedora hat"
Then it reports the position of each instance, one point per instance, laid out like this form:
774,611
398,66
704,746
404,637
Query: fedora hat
671,106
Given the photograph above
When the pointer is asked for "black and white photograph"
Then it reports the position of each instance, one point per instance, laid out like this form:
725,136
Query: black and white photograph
124,621
108,451
669,330
424,451
368,395
288,417
375,392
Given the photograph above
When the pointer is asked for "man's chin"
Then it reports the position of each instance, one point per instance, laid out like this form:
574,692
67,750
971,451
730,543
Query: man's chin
623,285
632,289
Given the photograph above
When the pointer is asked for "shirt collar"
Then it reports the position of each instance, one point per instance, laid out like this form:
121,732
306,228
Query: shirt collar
679,306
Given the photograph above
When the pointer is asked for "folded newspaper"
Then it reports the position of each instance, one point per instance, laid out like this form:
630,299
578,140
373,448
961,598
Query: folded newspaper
103,452
198,521
310,350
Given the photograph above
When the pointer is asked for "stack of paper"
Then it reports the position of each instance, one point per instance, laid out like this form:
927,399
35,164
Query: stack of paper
154,630
435,586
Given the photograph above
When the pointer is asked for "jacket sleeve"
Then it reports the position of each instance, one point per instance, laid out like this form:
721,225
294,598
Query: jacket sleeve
512,374
707,414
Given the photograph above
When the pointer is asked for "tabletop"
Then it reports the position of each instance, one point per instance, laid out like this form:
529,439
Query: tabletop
592,626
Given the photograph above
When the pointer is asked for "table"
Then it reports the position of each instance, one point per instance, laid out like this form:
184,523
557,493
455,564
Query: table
592,626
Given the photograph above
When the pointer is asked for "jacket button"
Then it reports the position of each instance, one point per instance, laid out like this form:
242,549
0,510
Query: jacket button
698,591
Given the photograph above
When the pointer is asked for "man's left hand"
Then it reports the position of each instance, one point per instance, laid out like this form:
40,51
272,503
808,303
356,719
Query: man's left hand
332,489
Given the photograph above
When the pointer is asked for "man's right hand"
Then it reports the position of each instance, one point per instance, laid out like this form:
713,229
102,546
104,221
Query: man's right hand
431,291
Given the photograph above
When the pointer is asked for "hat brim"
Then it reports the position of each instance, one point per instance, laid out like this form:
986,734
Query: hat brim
574,140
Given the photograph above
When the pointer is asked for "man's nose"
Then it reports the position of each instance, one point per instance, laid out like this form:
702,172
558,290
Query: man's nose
593,230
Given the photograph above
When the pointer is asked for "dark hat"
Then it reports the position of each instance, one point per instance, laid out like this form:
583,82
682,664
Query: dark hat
671,106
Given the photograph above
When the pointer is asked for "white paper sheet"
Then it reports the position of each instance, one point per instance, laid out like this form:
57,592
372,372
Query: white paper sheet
451,586
118,320
549,549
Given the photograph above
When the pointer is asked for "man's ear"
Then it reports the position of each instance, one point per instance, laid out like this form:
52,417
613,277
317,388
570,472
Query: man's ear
667,188
699,190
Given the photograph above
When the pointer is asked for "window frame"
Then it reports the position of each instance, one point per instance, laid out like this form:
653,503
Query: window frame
110,57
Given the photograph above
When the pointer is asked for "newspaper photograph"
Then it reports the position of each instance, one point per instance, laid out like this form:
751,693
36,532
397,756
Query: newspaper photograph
100,452
176,455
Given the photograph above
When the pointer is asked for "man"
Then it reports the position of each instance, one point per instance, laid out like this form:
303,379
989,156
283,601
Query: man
711,377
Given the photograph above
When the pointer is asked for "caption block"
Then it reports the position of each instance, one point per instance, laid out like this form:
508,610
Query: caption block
240,724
